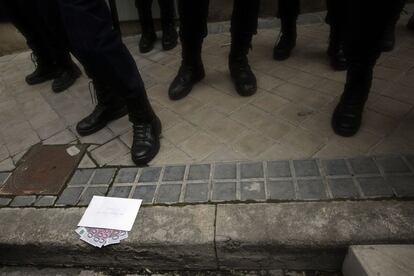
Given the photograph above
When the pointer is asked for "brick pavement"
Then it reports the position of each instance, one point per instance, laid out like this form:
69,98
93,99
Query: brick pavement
287,119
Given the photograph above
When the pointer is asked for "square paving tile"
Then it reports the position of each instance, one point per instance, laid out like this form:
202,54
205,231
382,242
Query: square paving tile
196,192
44,170
281,190
253,190
375,187
224,191
146,193
343,188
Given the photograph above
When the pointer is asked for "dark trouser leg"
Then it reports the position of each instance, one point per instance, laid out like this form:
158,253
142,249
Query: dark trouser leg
243,26
148,35
288,13
388,42
362,49
99,47
336,18
53,32
169,32
193,29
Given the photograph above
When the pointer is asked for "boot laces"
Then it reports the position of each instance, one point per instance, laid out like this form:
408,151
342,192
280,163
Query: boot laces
141,131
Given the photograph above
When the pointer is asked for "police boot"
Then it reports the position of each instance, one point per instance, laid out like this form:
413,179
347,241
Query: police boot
347,117
169,36
388,40
336,52
109,108
146,134
190,72
287,41
243,78
69,74
45,71
148,38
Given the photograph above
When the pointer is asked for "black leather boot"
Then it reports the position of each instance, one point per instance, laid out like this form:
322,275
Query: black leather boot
169,37
44,71
243,77
347,117
388,40
147,41
190,72
68,76
109,108
287,42
336,52
146,133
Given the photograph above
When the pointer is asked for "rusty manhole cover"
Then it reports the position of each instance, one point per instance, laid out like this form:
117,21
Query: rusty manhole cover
44,170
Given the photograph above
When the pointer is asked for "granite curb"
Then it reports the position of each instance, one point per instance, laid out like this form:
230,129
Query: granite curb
300,235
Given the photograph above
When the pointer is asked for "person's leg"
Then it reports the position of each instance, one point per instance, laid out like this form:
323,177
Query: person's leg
388,41
362,49
169,32
336,18
24,16
52,30
410,24
100,49
193,29
148,36
243,27
288,13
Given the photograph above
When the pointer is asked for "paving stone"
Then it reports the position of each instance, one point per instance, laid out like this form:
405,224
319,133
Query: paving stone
196,192
169,193
146,193
120,191
343,188
253,190
251,170
70,196
363,165
393,165
4,201
403,185
374,187
150,174
90,192
174,173
23,201
225,171
278,169
103,176
86,163
224,191
336,167
126,175
306,168
281,190
45,201
3,177
199,172
81,177
311,189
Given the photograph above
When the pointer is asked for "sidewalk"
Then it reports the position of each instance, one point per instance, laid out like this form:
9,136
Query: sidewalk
288,118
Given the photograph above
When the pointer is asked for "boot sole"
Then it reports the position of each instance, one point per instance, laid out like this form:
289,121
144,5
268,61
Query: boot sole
91,131
58,89
41,80
141,162
186,91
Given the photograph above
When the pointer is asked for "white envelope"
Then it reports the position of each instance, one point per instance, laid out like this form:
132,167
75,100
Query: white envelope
111,213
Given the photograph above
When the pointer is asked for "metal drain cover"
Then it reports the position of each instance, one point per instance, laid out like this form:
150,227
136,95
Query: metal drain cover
44,170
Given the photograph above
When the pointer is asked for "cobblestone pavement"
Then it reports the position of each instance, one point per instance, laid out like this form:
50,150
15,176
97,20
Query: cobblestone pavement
361,178
289,118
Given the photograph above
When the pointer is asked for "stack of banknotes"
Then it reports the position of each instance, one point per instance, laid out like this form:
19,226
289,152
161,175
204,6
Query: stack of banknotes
100,237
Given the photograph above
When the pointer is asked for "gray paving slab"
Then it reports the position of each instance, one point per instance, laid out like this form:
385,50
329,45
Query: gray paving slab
374,187
278,169
126,175
196,192
311,189
45,201
120,191
403,185
306,168
146,193
90,192
363,165
392,165
23,201
199,172
150,174
254,190
281,190
70,196
103,176
336,167
343,188
4,201
224,191
168,193
225,171
174,173
81,177
251,170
